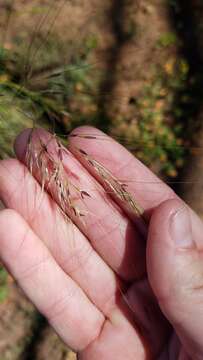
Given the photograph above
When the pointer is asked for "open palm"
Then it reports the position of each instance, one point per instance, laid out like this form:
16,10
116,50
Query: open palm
90,278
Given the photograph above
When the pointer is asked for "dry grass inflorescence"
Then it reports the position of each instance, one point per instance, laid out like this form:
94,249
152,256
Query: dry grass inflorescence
44,158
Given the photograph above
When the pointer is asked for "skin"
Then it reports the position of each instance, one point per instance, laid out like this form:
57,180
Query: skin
109,291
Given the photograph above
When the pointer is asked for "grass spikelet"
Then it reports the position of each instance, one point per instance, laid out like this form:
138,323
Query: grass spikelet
114,185
45,161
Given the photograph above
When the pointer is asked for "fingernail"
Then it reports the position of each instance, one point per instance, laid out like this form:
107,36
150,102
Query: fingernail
181,229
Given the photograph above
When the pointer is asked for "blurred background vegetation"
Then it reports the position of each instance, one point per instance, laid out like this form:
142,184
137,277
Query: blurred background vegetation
133,68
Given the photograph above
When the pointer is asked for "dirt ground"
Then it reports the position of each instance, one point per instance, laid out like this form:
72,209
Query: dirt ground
125,46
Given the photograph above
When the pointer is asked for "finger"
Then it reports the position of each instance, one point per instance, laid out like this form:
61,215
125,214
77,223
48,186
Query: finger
148,190
109,230
67,244
44,282
175,269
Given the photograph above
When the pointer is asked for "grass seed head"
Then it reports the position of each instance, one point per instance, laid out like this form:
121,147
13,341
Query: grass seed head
47,166
116,187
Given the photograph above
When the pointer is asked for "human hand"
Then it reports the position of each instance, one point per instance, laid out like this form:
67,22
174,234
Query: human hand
93,280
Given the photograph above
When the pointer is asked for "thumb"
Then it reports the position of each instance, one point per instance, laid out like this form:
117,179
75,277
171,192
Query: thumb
175,270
